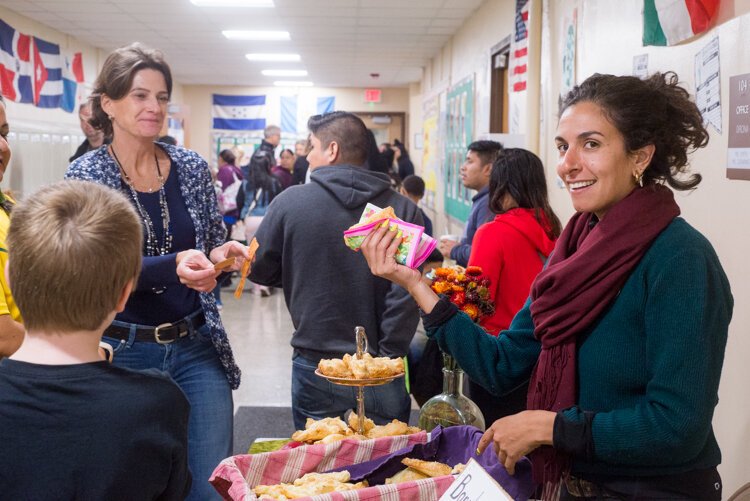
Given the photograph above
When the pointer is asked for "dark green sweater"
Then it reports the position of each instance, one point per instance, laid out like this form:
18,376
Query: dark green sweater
649,370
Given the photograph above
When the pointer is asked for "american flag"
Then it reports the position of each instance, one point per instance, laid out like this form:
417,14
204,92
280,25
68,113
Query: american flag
520,48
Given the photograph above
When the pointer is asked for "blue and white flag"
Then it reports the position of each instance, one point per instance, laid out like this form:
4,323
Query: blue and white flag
289,114
48,81
239,112
326,104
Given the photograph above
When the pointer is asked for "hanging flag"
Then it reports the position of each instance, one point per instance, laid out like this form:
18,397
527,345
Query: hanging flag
15,65
48,84
72,75
289,114
326,104
239,112
520,47
669,22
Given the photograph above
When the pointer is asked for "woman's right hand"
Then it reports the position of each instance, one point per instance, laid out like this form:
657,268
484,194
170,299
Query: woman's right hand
379,249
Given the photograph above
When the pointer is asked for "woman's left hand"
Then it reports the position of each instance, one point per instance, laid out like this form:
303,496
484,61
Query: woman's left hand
230,249
196,271
515,436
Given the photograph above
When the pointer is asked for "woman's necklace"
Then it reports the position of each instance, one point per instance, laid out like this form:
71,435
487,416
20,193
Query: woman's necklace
152,247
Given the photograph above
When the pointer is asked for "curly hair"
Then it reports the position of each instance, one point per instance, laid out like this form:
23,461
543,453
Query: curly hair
655,110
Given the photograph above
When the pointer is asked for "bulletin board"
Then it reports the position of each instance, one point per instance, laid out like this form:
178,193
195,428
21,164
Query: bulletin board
459,121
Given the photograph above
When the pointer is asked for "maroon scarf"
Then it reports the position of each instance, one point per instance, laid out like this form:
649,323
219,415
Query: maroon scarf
586,271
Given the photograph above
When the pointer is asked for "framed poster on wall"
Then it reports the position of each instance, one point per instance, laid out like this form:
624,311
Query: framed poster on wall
459,128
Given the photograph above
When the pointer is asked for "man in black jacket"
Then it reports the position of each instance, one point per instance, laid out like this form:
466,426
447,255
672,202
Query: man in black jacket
94,137
328,288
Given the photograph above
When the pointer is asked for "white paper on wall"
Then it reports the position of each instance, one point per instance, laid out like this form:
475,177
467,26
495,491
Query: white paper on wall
708,84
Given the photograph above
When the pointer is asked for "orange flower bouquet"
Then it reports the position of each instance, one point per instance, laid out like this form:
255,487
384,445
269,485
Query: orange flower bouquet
467,288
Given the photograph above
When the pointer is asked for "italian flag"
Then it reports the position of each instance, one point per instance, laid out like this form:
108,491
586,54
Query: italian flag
669,22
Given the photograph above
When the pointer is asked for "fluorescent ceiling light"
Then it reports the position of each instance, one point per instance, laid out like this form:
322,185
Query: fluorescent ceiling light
233,3
284,73
255,35
273,57
291,83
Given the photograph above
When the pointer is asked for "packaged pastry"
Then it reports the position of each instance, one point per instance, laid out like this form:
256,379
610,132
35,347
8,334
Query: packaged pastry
415,246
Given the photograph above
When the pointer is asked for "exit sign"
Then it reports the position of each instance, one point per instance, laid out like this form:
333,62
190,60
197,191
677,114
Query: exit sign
372,95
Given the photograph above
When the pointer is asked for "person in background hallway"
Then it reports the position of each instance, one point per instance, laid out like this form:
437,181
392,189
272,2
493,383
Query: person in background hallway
328,296
229,177
299,174
171,321
72,426
283,171
94,137
511,250
271,139
261,187
624,333
405,166
11,323
475,175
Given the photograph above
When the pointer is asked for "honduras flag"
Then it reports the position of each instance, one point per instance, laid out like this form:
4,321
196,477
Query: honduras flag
239,112
15,65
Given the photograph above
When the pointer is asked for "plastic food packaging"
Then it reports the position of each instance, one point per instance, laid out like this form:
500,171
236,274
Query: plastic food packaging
415,247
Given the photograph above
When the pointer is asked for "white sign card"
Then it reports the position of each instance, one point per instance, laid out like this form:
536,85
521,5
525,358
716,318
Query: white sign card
640,66
708,84
475,484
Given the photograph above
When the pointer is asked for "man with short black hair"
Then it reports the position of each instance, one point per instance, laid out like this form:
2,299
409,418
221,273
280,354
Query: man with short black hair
475,175
328,288
94,137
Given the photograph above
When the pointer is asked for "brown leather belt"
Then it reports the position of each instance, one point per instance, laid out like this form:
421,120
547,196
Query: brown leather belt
162,334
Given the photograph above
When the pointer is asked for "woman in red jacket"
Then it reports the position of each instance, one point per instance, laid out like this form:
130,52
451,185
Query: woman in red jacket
511,250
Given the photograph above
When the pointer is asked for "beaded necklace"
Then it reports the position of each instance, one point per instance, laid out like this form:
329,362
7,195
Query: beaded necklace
152,247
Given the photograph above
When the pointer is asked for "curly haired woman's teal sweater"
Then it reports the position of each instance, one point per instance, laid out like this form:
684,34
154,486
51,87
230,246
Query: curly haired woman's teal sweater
649,369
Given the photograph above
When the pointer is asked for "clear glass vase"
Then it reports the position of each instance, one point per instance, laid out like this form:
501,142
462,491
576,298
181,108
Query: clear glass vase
451,407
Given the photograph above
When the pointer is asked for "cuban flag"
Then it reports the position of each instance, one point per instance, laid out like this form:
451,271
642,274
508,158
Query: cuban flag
15,65
48,81
239,112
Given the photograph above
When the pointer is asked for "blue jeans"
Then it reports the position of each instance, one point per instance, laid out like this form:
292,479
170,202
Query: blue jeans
315,397
193,364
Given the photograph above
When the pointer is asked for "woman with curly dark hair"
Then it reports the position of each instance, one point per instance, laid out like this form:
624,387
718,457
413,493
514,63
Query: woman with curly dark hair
624,333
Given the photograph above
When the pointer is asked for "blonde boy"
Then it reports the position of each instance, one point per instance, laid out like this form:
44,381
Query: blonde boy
71,425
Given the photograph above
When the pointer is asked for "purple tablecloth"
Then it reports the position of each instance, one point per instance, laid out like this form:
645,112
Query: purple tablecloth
452,445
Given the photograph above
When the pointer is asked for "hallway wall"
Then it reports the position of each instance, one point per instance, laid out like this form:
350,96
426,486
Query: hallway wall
608,37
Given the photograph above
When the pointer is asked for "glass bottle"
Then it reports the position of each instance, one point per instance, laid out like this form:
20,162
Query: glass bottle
451,407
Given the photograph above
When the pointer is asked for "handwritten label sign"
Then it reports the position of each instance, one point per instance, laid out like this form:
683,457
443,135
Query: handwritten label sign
475,484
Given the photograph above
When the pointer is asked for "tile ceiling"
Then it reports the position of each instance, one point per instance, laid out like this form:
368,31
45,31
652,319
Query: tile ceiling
341,41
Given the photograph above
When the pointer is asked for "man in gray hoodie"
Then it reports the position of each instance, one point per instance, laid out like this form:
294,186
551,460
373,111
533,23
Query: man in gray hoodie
328,288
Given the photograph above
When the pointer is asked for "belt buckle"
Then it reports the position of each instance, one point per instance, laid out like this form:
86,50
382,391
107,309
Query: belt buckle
157,334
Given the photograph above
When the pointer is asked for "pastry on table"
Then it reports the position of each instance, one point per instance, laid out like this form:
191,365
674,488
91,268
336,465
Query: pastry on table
429,468
318,430
310,484
369,424
417,469
367,367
